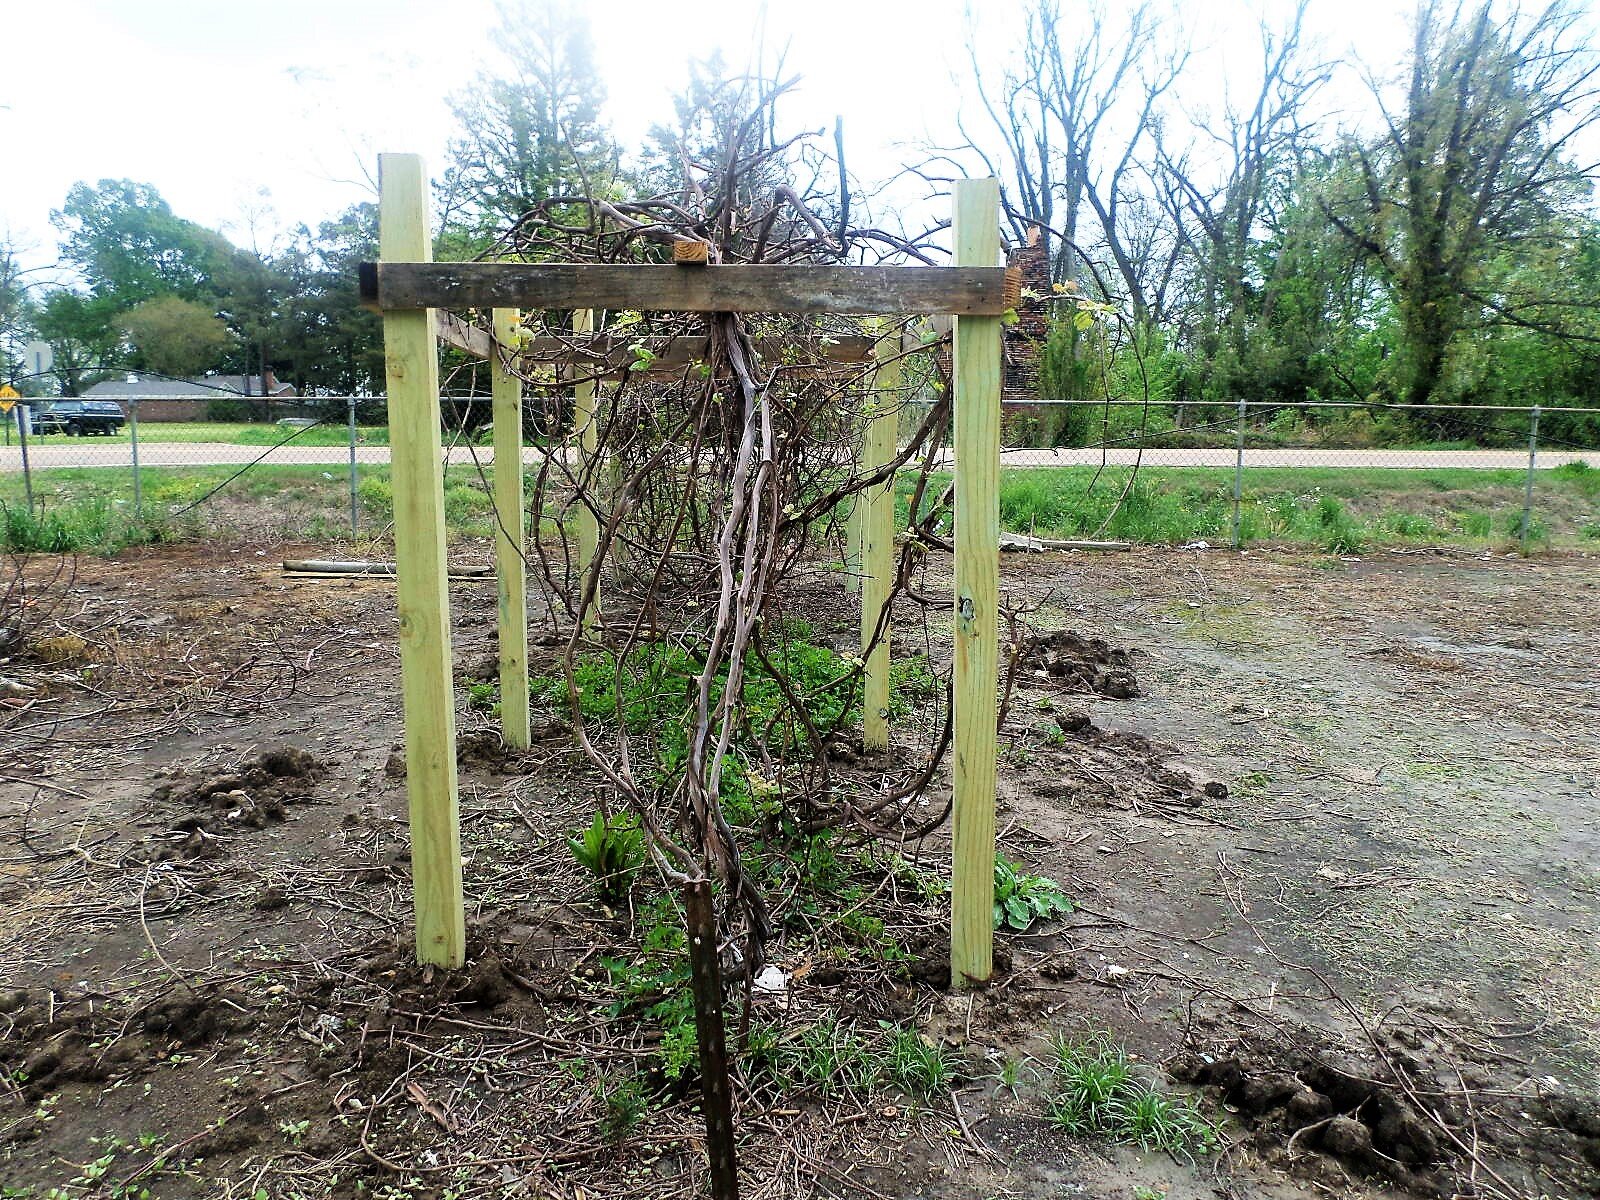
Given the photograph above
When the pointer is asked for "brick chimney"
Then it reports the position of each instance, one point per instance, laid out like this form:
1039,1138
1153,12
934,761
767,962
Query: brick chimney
269,381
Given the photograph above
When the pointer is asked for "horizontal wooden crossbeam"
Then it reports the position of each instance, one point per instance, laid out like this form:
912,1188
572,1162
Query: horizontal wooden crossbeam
800,288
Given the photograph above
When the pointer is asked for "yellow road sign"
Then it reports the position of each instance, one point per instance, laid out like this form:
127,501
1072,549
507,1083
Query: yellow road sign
8,396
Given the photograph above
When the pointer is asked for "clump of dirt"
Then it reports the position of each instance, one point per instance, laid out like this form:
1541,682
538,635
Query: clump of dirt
60,1042
1296,1102
1083,664
252,796
1122,768
485,750
1304,1104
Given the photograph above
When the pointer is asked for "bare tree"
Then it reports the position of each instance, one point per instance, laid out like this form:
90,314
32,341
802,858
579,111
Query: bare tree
1260,146
1057,112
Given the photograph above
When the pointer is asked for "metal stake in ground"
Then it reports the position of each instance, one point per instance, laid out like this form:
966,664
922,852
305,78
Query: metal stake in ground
1238,480
1527,494
22,441
716,1098
133,441
350,425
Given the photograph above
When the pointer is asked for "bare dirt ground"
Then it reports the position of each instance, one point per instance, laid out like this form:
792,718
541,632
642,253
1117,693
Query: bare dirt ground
1334,865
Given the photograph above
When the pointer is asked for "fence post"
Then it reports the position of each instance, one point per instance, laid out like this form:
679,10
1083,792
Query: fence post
876,527
511,568
24,418
411,360
1527,494
977,597
133,440
1238,481
586,427
350,428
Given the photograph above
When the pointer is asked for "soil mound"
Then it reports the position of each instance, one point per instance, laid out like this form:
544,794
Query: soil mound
255,794
1084,664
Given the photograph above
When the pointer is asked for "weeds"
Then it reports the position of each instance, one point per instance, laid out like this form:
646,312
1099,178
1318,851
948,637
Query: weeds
623,1107
1339,509
612,851
1339,534
1020,899
916,1063
1094,1092
94,524
828,1057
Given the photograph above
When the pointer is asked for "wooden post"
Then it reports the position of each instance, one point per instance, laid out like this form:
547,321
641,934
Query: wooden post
977,595
587,428
876,507
511,568
412,366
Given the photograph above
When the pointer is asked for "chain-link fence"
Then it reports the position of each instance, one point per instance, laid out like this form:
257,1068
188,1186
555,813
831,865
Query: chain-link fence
86,470
1337,476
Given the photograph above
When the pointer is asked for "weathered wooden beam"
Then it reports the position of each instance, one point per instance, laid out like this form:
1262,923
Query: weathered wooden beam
412,365
798,288
977,599
463,335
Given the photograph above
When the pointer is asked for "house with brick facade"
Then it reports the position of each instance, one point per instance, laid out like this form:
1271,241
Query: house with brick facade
250,397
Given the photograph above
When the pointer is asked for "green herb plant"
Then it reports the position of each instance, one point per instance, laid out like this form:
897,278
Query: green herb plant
1021,900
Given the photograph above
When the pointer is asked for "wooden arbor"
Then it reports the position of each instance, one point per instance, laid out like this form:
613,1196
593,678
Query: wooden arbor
407,288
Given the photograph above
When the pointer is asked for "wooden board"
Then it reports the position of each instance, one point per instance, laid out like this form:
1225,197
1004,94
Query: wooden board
463,335
511,568
977,599
868,291
412,367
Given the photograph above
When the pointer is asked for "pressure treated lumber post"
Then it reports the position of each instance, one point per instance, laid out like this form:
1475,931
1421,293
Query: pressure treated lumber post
511,568
876,507
412,366
977,595
587,428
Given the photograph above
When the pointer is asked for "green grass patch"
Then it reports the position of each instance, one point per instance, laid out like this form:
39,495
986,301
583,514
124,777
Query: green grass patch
1095,1091
330,433
1339,510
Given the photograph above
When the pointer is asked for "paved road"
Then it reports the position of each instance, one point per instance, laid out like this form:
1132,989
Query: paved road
92,453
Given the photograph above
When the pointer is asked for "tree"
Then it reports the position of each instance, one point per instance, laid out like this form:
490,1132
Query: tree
130,247
1074,117
1227,222
15,308
176,337
82,335
1475,165
325,340
533,132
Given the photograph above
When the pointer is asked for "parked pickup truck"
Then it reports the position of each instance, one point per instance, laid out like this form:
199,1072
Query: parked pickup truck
80,417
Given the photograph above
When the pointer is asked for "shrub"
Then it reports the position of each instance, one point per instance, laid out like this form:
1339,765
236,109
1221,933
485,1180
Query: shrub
227,410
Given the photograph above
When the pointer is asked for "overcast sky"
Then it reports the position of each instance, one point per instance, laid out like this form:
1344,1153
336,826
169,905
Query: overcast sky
255,115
